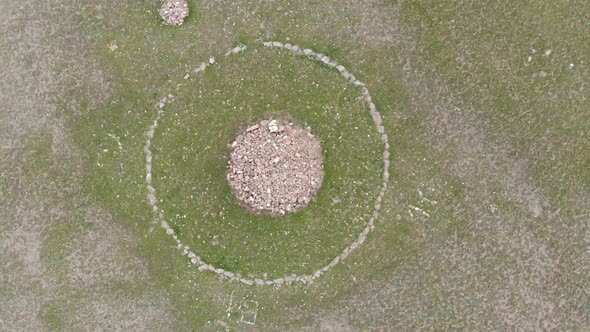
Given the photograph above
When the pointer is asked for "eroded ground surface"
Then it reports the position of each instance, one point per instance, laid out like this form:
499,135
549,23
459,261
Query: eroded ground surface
486,225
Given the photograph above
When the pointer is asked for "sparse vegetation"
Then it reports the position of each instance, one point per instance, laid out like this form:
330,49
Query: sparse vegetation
485,225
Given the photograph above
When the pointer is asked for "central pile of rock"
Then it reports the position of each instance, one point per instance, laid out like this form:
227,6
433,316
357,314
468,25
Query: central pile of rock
275,167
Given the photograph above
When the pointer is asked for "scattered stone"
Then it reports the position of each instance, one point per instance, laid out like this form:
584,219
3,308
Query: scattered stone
273,126
201,67
152,199
252,128
173,12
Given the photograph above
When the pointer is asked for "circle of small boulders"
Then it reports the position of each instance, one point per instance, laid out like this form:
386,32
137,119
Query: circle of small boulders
159,217
275,167
173,12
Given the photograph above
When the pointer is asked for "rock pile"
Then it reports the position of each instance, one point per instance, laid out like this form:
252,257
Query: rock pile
275,167
173,12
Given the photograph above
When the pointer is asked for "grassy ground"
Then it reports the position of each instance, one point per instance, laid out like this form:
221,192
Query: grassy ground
486,224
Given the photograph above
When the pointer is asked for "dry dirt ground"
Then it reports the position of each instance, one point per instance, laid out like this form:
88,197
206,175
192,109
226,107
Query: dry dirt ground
40,51
496,197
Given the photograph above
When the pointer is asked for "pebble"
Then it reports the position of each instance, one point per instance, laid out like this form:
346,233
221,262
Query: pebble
252,128
273,127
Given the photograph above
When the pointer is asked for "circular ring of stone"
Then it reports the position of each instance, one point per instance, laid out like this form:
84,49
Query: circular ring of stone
159,217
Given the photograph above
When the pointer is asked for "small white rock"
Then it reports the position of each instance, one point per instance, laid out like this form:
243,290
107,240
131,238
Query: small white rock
273,127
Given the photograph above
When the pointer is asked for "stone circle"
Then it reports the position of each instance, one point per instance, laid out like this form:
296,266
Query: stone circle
196,260
275,167
173,12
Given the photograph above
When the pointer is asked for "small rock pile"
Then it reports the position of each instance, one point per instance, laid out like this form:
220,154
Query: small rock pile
173,12
275,167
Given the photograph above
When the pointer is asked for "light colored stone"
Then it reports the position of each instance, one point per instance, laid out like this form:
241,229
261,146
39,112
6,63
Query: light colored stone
252,128
273,126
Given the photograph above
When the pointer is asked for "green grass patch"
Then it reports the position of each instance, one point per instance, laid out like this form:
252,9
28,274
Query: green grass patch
191,149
